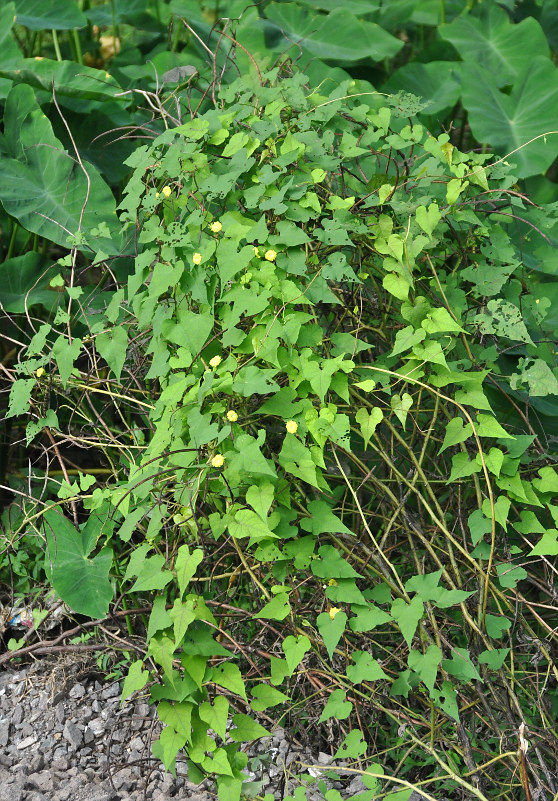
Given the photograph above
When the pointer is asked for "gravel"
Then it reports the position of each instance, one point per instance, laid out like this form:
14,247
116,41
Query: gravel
65,737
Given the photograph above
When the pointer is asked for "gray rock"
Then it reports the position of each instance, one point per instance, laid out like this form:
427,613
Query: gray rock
73,734
111,691
17,715
77,691
26,742
4,732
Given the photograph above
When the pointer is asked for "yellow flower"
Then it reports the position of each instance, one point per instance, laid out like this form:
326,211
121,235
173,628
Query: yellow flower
257,252
216,226
166,190
156,194
270,255
40,372
332,583
291,426
215,361
218,460
232,416
196,258
333,611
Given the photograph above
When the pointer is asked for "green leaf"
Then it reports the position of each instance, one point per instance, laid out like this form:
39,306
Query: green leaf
167,747
331,630
368,421
252,380
265,696
40,184
260,498
297,460
500,48
336,707
461,666
510,575
60,15
510,121
65,355
181,614
216,715
494,658
186,565
20,395
456,431
339,35
429,218
229,676
538,376
151,576
446,698
407,616
294,649
547,545
426,665
368,618
136,679
246,729
353,746
332,565
25,283
247,523
365,668
496,626
112,347
322,520
396,285
276,609
79,579
50,420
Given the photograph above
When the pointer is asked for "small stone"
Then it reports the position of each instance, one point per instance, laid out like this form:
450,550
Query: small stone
60,764
111,691
17,715
97,726
31,740
4,732
88,735
60,713
72,734
37,764
77,691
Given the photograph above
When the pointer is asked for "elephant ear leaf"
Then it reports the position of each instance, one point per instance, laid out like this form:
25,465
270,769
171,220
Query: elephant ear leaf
45,188
79,579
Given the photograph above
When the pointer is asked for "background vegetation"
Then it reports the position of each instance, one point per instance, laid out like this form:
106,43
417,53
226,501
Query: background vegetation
279,352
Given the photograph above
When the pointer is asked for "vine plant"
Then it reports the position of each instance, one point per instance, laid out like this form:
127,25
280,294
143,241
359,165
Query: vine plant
302,499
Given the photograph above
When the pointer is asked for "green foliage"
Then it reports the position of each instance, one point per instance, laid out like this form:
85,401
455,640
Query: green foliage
296,364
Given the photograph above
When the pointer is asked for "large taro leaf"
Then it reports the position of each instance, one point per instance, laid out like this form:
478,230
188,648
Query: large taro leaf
59,15
495,44
508,122
436,82
116,12
338,36
45,188
64,78
81,581
24,282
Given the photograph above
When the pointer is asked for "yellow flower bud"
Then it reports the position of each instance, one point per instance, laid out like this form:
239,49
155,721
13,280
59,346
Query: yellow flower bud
257,252
196,258
156,194
40,372
270,255
216,226
166,190
218,460
291,426
232,416
215,361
